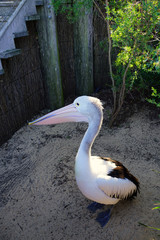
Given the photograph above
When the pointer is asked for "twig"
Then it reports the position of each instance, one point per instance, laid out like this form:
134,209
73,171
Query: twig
100,11
109,51
110,60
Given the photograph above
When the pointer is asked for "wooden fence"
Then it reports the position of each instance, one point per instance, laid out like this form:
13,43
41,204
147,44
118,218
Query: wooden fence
21,87
54,65
74,65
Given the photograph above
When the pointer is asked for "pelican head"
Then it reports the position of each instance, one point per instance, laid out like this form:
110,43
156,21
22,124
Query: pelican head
83,109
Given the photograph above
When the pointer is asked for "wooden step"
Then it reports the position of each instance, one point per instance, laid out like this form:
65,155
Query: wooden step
32,17
39,3
10,53
21,34
8,3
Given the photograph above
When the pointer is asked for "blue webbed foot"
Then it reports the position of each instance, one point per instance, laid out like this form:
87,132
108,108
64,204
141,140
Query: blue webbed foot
104,217
94,206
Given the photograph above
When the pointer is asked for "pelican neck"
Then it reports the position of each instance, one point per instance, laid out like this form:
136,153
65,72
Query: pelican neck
90,135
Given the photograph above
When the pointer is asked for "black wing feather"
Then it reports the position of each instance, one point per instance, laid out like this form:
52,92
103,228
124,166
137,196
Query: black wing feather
121,171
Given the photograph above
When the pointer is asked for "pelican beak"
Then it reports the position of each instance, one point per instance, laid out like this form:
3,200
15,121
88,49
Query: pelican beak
64,114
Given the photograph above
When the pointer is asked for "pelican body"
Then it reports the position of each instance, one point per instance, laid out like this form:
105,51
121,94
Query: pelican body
100,179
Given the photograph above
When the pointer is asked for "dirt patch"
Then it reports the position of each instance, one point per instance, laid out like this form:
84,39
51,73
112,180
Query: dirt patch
40,200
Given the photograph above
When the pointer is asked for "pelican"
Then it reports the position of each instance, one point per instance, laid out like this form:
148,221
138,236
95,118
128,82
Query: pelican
100,179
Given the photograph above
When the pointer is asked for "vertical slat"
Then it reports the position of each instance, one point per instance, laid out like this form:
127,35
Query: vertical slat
65,42
83,49
50,56
101,69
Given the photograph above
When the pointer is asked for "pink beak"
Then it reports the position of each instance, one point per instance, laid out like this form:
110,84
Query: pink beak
64,114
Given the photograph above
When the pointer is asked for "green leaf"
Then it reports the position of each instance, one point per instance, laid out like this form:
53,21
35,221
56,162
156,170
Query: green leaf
149,226
155,208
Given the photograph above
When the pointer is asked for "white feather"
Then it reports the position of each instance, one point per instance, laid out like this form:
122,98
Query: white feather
116,187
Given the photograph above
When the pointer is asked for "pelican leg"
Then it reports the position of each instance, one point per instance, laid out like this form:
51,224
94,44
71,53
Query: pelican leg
94,206
104,217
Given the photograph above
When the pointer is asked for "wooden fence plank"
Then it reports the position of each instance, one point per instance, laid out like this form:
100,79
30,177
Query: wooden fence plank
50,56
83,49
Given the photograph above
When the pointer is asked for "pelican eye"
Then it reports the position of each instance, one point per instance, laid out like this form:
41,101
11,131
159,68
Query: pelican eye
77,104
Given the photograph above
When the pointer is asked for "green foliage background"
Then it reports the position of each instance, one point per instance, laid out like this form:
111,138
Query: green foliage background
72,8
135,31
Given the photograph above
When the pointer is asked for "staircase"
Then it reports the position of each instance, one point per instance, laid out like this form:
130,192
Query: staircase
13,18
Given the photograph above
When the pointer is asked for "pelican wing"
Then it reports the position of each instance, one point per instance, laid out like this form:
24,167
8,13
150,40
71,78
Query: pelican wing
116,187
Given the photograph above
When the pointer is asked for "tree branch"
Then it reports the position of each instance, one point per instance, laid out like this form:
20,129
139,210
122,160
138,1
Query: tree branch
110,60
100,11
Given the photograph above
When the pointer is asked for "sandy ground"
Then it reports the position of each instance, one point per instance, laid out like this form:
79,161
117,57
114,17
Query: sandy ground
39,197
